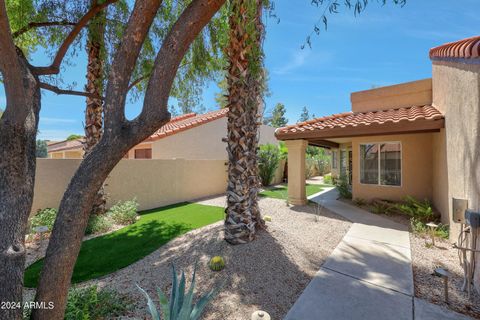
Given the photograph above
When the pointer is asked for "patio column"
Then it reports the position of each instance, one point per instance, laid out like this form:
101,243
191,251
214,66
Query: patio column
296,171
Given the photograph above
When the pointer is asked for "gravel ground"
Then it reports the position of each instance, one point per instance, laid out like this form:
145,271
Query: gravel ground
429,287
269,273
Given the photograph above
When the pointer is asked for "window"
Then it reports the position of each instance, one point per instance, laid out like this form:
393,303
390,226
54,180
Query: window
143,153
334,159
381,164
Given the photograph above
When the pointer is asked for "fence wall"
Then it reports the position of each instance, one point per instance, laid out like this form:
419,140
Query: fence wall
154,183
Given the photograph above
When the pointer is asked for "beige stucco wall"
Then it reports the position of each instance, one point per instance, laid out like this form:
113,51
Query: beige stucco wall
440,176
456,93
202,142
415,93
416,168
155,182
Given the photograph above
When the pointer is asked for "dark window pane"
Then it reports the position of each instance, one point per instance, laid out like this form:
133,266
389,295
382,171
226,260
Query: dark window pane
369,163
390,164
143,153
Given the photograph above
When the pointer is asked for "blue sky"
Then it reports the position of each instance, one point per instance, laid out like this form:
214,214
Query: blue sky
383,46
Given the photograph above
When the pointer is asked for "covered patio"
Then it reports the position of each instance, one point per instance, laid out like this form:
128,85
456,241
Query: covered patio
381,150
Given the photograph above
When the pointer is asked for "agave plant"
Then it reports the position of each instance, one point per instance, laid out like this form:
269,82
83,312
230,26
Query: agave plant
180,306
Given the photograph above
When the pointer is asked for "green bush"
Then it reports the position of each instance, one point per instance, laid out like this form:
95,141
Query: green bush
124,213
443,231
380,207
268,160
92,304
44,217
420,210
344,188
327,179
98,224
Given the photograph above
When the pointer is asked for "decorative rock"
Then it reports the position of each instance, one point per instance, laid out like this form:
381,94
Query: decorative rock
267,218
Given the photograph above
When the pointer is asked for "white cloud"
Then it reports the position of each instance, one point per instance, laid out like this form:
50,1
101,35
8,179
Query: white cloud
52,134
303,58
47,120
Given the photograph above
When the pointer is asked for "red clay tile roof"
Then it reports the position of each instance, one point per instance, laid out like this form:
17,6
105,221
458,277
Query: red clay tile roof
66,145
359,120
464,49
175,125
185,122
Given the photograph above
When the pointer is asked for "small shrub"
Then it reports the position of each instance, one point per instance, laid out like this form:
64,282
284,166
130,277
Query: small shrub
443,231
92,303
124,213
310,169
359,202
418,226
344,188
268,161
327,179
420,210
44,217
180,306
98,224
380,207
217,263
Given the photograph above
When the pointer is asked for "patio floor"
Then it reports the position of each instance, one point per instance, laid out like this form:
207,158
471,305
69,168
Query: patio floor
368,275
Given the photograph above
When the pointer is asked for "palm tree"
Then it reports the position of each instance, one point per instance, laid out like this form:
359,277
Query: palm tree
94,106
245,78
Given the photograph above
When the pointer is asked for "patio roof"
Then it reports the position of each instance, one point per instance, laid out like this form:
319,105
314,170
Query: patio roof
353,124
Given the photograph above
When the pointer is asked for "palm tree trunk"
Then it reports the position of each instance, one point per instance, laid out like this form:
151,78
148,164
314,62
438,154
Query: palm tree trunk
244,98
94,107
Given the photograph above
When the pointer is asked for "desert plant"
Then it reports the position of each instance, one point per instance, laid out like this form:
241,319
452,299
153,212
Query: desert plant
92,303
217,263
421,210
180,306
43,217
268,160
124,213
344,188
98,224
418,226
443,231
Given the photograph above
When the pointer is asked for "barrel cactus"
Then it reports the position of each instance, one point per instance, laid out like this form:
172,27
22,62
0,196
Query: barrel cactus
217,263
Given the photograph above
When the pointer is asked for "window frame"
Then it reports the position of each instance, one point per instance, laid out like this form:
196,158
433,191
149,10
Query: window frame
143,150
379,184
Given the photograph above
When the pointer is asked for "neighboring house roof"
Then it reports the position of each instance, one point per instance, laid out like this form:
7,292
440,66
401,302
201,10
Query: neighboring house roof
66,145
463,49
175,125
185,122
401,120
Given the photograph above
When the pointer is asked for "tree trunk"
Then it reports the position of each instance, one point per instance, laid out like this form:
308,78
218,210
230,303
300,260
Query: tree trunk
244,98
94,106
119,136
18,130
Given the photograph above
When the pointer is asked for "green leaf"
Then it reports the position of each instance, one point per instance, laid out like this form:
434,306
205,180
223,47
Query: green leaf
151,305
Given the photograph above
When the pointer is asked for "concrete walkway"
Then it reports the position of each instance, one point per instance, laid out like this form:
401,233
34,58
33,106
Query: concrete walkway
368,276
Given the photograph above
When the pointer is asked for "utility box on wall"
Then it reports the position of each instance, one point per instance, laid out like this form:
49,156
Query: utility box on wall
459,208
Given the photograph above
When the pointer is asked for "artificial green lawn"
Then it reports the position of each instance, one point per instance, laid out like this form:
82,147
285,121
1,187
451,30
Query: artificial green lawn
281,191
106,254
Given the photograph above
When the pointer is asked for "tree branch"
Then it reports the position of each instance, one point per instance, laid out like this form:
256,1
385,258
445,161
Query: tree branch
57,90
54,68
33,25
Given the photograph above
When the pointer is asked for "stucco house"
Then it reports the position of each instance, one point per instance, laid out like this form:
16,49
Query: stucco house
189,136
420,138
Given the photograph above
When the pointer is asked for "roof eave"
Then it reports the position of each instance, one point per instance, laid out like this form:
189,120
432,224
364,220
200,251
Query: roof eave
375,129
